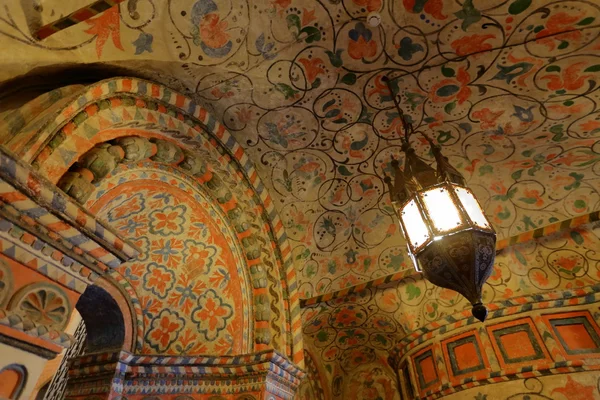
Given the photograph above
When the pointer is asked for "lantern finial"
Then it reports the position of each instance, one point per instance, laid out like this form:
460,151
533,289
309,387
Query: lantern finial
479,311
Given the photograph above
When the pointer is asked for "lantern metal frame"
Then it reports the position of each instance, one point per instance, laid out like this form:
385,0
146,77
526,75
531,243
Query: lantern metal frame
458,257
465,223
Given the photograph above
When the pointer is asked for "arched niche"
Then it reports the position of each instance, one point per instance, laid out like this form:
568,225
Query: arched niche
13,379
196,151
104,322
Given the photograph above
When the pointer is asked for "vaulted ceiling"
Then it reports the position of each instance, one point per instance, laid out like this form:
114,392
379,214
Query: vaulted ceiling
507,87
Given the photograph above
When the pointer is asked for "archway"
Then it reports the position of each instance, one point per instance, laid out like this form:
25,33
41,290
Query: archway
214,275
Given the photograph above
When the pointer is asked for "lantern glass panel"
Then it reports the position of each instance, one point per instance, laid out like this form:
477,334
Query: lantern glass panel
472,207
413,223
442,211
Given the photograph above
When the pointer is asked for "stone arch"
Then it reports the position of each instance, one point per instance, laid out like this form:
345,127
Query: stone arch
122,107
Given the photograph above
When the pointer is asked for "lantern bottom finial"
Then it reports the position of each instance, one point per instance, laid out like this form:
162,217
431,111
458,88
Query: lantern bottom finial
479,311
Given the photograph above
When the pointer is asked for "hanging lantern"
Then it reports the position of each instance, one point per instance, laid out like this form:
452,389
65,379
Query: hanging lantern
449,237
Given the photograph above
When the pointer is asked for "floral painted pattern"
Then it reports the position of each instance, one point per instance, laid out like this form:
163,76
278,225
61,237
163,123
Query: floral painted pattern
158,280
211,315
46,306
164,330
186,276
168,220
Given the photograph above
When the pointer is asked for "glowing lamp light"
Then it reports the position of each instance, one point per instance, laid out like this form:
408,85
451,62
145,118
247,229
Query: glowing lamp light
449,238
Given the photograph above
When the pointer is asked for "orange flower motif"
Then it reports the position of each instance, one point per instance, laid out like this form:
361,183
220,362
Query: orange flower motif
370,5
471,44
567,263
590,125
308,16
361,44
106,24
561,109
487,117
540,278
244,115
569,79
447,294
282,3
213,31
313,68
211,313
449,89
166,220
534,194
159,280
432,7
498,187
163,334
556,24
362,48
574,390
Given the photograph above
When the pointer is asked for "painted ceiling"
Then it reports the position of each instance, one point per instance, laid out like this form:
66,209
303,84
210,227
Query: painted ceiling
507,87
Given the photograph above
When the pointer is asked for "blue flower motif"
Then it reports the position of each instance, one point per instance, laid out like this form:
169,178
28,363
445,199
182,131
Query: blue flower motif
407,48
360,30
143,43
165,252
524,115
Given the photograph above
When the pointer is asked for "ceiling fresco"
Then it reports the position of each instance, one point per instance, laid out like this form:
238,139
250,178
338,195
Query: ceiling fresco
507,87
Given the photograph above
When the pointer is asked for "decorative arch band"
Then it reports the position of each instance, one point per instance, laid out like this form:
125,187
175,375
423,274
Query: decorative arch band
52,154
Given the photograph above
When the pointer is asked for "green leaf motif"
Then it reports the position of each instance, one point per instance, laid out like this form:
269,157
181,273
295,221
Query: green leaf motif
322,336
520,257
504,215
332,113
293,21
312,34
577,238
593,68
328,104
528,200
580,204
518,6
469,15
335,58
444,136
586,21
489,149
344,170
349,79
486,169
577,183
413,291
449,107
448,72
287,90
553,68
557,130
517,174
